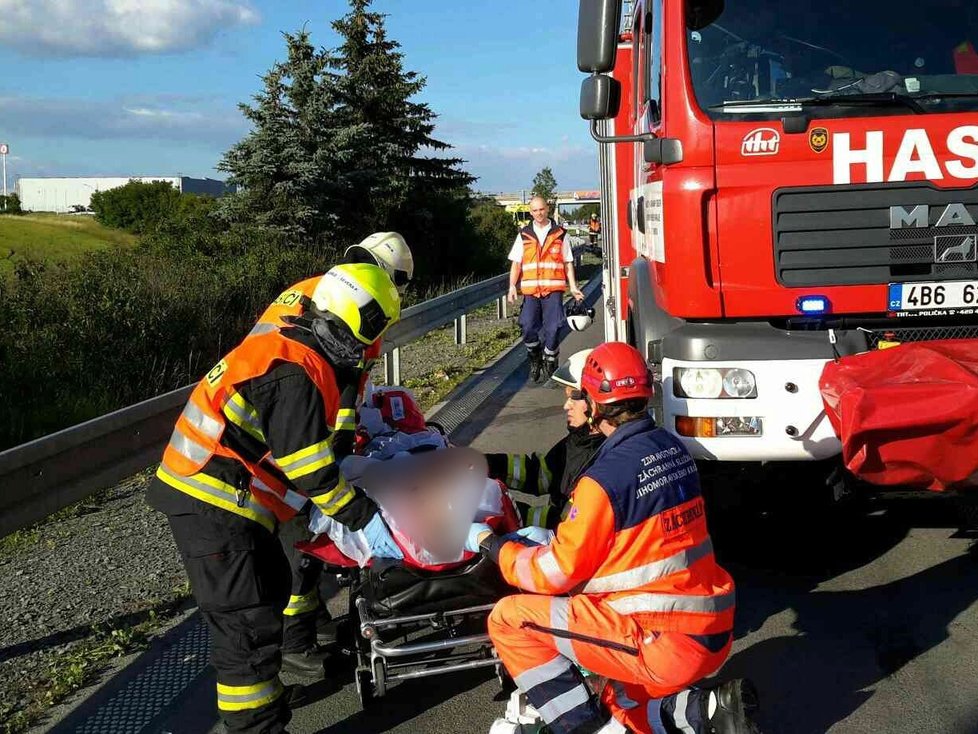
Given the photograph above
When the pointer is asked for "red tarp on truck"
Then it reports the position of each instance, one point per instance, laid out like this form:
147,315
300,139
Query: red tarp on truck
907,415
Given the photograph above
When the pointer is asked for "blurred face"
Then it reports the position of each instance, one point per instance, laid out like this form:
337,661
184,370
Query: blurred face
575,408
540,211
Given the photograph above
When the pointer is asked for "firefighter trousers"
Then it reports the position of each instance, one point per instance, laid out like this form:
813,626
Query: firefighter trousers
240,577
544,640
541,318
304,606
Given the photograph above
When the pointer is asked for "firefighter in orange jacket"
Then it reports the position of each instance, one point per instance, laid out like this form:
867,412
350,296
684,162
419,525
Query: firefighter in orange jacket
542,266
251,450
305,611
649,607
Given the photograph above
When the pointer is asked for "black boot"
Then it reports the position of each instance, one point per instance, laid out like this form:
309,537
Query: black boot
550,364
737,701
308,663
536,363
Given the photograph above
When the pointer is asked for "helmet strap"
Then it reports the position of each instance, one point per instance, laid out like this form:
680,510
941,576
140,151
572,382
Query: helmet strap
337,342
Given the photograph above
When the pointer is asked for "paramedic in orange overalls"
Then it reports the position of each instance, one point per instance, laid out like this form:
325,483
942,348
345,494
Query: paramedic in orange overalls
648,608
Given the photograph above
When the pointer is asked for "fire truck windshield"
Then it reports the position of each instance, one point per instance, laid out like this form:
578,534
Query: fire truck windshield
848,57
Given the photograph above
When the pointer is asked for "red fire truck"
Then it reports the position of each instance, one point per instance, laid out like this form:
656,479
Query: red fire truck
782,183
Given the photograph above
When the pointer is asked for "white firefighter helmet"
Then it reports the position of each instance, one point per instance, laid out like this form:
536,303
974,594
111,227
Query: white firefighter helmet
389,251
569,373
579,316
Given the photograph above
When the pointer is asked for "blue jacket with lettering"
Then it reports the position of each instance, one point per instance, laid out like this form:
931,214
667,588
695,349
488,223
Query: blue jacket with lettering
636,536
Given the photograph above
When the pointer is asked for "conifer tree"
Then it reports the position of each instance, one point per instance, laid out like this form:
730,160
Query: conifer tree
340,147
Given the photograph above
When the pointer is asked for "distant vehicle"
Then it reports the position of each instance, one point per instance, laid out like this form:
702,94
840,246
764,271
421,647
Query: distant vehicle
521,214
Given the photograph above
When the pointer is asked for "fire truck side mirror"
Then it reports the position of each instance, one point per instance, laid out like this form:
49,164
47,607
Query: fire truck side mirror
597,35
663,150
600,97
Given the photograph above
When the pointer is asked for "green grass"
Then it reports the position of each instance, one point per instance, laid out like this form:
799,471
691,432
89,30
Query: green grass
53,237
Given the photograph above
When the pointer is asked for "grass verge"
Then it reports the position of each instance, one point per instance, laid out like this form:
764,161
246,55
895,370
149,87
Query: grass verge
51,237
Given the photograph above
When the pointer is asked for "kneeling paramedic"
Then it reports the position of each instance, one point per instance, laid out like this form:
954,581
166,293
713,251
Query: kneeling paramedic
307,621
648,608
253,449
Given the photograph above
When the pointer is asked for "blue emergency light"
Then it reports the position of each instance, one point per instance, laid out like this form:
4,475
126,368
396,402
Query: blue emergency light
813,305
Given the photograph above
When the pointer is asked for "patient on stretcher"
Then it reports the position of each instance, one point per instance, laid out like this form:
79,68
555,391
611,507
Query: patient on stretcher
428,491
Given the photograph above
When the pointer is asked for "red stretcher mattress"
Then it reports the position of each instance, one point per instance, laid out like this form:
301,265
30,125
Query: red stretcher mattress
907,415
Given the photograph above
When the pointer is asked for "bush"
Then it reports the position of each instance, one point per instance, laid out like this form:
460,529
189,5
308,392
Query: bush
136,207
10,204
115,327
495,230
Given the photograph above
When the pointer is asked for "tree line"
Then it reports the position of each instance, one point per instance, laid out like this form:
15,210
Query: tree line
339,147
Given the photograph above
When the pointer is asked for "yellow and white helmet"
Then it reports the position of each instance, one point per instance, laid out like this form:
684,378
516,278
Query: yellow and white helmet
362,296
389,251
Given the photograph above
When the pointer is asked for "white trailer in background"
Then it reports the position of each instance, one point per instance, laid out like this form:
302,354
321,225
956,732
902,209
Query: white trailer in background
74,193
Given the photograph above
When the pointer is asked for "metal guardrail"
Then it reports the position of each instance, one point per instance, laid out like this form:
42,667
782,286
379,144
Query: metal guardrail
48,474
417,321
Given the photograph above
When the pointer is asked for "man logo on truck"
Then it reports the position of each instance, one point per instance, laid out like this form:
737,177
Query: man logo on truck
919,216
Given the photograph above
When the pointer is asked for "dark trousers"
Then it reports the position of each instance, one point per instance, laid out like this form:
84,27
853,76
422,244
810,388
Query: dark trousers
304,603
240,577
541,319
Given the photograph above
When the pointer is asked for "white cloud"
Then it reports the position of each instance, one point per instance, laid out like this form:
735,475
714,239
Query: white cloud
511,168
145,119
117,27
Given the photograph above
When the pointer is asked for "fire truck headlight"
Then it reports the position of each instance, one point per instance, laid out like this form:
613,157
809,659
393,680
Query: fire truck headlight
739,384
698,383
711,383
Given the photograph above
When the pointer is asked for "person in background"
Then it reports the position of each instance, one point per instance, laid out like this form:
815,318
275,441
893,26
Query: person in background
542,268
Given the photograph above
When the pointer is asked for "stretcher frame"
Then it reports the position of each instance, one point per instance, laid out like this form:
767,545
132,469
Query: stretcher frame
384,655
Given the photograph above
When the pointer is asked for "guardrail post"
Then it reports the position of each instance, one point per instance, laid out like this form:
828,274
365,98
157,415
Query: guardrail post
501,310
392,367
460,329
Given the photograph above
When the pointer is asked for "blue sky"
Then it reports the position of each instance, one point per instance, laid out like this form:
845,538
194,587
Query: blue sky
135,87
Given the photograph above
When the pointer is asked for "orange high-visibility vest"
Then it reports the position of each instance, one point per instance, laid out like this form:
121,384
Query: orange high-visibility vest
196,438
543,270
594,226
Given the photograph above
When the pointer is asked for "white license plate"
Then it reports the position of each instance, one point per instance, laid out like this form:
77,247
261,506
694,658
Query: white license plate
927,296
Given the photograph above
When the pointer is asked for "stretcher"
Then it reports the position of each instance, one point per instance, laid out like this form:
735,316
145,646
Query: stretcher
408,623
424,615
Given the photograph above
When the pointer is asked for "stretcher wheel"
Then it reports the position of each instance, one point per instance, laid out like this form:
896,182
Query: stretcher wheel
365,689
380,679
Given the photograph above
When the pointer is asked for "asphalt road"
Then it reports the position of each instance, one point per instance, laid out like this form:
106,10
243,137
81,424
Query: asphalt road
851,621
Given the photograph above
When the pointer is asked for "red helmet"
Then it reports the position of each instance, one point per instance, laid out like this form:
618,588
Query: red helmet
613,372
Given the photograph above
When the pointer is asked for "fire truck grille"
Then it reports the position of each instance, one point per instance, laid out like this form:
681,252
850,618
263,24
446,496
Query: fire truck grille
921,334
842,236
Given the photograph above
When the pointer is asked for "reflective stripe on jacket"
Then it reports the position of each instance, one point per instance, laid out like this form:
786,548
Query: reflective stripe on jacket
636,537
215,402
542,268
